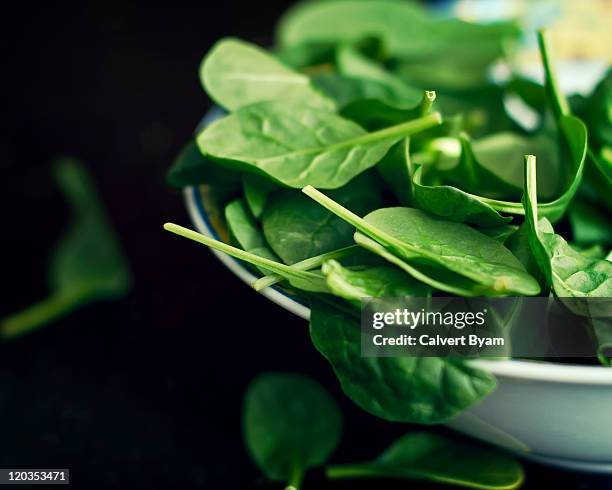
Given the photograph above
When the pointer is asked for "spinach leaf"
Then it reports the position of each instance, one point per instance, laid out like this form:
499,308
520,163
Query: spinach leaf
306,281
450,71
296,227
297,145
351,63
435,277
348,21
345,91
425,390
502,155
235,74
291,424
373,282
432,457
570,273
87,264
257,190
245,232
413,235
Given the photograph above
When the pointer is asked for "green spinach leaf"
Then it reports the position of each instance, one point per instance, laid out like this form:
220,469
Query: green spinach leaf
297,145
570,273
291,424
352,63
413,235
343,21
296,227
245,232
235,74
435,277
425,390
86,265
432,457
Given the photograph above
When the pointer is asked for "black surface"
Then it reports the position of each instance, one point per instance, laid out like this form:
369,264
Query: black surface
145,392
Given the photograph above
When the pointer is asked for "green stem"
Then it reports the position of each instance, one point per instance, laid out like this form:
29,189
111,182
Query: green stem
295,479
347,471
305,265
37,315
427,101
279,268
405,129
559,102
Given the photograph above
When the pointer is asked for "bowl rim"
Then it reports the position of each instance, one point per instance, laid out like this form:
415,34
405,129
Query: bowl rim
511,368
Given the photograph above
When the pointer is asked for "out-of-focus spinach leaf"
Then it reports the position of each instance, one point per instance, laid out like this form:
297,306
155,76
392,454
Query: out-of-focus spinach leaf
291,424
432,457
87,264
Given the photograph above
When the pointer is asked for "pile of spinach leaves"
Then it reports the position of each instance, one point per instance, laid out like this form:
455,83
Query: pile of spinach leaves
423,184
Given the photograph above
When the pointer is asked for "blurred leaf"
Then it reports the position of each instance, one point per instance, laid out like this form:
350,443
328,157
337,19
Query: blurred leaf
87,263
432,457
291,424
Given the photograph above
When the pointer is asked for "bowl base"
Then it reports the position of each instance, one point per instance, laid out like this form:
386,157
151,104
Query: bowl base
570,464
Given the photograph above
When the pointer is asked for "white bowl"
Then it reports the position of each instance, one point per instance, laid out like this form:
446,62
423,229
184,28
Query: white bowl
559,414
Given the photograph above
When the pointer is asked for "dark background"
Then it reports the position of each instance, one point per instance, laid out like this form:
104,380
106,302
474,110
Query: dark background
144,392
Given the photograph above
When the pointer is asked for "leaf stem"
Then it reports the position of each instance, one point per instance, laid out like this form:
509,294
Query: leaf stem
277,267
347,471
305,265
295,479
559,102
427,101
404,129
38,315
